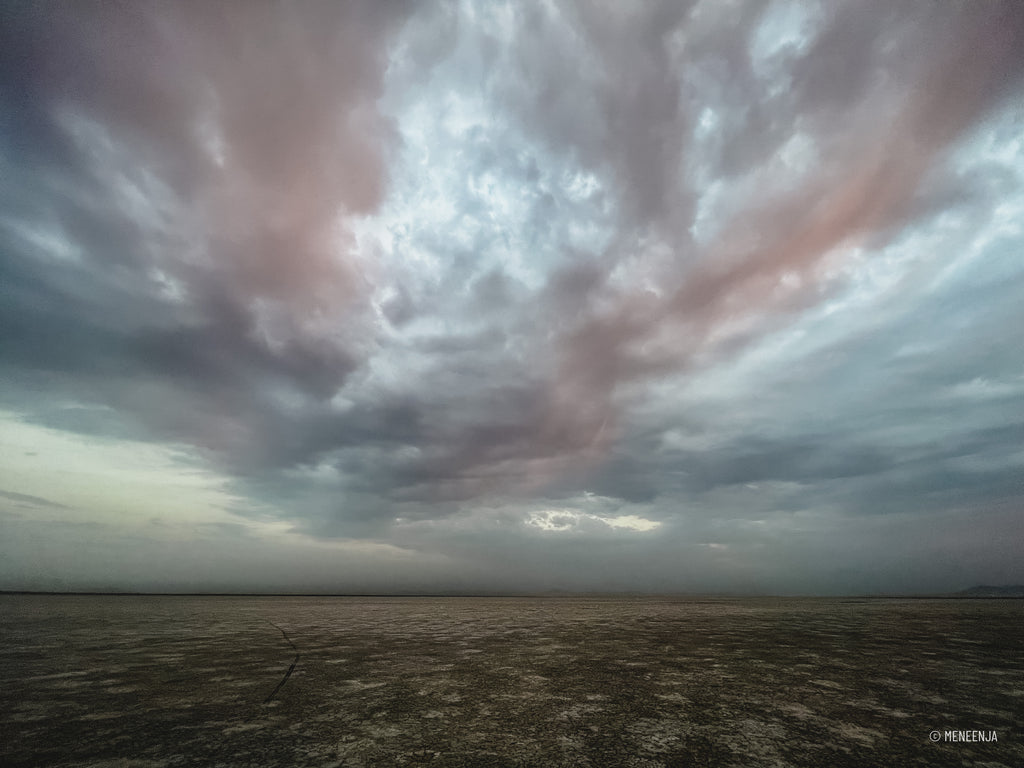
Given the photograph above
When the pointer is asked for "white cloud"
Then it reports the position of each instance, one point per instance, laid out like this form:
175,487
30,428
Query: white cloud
567,520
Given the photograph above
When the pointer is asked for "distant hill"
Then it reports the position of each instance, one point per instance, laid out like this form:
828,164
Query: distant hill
1016,590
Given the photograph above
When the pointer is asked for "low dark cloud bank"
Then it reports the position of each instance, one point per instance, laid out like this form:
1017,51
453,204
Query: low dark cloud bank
430,276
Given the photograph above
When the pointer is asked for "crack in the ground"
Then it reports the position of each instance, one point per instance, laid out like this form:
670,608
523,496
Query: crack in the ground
291,669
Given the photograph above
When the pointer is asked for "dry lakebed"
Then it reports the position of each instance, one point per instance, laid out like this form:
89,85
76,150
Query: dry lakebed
154,681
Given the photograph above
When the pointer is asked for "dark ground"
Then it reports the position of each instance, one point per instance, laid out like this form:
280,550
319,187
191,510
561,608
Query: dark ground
183,681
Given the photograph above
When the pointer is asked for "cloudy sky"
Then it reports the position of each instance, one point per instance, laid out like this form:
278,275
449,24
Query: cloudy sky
687,296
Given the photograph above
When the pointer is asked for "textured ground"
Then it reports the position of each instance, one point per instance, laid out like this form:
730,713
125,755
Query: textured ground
178,681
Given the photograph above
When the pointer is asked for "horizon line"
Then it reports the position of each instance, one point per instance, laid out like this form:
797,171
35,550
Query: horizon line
961,594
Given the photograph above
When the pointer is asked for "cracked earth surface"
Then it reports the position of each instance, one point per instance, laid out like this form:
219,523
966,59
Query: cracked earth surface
149,682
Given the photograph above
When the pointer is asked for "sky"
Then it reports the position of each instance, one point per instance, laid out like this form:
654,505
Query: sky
701,297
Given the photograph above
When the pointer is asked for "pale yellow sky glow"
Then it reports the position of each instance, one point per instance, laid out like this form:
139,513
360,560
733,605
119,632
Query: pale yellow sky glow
116,482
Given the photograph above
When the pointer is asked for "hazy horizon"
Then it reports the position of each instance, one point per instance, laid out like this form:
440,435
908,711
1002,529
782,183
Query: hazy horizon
170,591
670,298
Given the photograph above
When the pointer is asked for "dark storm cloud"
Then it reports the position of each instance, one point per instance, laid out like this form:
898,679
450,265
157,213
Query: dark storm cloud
196,162
387,263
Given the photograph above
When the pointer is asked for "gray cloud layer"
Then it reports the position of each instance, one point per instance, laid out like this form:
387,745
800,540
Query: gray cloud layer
416,274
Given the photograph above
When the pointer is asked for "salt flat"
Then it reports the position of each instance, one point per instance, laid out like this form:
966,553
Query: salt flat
647,682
